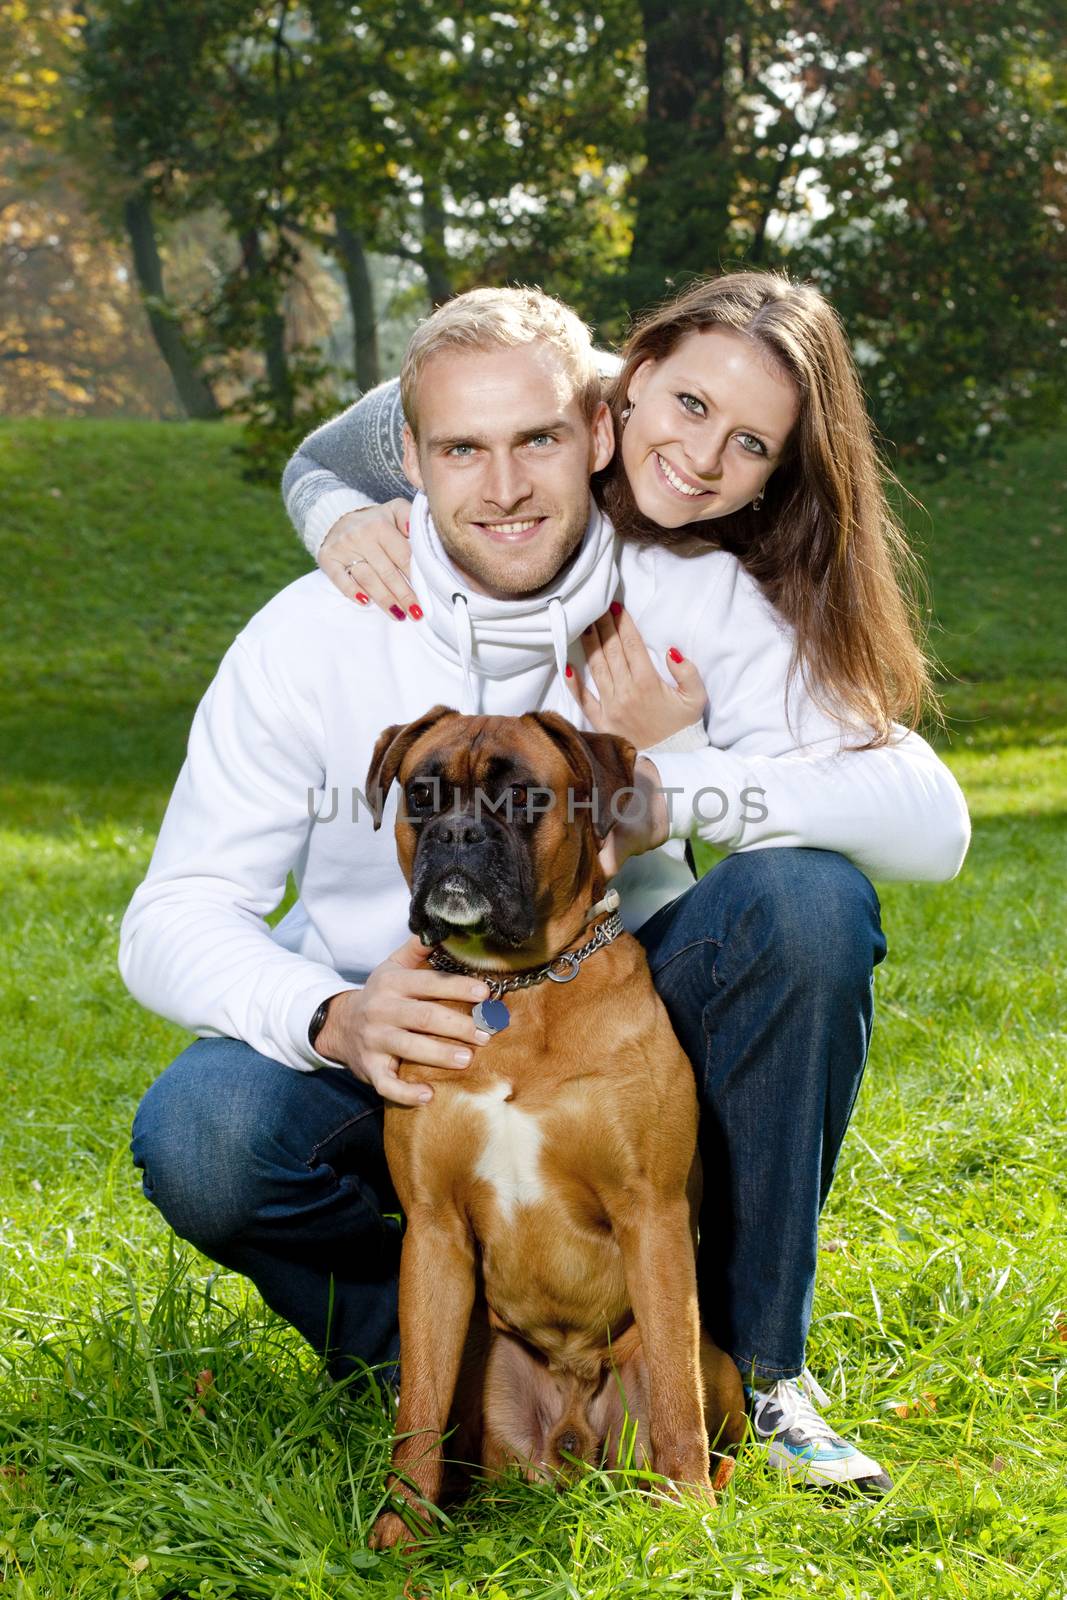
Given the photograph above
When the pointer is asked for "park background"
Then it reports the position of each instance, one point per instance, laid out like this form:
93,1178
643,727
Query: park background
218,222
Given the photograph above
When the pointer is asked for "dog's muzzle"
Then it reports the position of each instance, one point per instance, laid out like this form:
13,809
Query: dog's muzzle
471,876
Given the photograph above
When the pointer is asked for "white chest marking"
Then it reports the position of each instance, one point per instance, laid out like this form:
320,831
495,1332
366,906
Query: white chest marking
510,1160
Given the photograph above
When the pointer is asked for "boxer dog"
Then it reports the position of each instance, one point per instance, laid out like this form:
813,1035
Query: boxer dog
547,1270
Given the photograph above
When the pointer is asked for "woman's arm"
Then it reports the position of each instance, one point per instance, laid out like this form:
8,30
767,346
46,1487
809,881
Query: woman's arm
774,775
347,495
351,462
750,774
896,812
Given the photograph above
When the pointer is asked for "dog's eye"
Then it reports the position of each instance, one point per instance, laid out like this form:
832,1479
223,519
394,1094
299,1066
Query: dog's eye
422,795
519,796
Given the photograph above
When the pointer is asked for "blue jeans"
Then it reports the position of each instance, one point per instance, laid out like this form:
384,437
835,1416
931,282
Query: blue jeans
766,968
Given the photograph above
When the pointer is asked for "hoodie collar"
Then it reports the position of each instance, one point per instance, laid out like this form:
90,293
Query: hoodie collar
491,638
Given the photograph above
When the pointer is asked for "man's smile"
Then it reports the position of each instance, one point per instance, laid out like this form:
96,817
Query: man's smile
510,530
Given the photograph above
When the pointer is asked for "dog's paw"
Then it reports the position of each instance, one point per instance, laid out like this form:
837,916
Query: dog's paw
688,1491
388,1532
724,1471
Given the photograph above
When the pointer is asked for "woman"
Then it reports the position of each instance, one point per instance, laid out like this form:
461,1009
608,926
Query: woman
741,428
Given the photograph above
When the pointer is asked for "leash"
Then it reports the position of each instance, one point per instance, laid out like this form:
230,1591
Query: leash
492,1014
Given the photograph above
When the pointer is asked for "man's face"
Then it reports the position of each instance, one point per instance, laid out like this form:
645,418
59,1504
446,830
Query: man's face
504,455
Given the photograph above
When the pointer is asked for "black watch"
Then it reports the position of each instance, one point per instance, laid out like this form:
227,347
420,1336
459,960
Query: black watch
318,1022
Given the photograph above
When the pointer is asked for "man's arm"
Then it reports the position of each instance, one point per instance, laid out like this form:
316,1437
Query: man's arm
194,944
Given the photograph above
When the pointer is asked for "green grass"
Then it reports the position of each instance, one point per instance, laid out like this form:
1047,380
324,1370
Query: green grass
940,1312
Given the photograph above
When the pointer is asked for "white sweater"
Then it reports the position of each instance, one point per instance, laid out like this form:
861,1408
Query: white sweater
285,734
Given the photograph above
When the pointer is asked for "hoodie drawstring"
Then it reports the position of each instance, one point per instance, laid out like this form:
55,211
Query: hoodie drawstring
464,642
557,621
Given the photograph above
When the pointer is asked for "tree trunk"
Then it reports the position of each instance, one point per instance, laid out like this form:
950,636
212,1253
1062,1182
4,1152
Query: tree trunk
683,193
271,324
434,259
194,391
361,298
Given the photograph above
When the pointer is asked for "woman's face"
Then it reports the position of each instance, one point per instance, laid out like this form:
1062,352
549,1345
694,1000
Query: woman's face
710,422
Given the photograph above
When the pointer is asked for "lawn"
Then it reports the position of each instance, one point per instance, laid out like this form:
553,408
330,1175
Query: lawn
162,1436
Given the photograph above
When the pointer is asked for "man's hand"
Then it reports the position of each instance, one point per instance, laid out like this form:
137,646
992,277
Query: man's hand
644,824
397,1016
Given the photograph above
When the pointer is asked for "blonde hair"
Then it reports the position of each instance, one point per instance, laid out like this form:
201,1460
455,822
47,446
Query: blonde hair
826,547
484,319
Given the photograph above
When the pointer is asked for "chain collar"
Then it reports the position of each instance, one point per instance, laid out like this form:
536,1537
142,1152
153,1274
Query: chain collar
606,933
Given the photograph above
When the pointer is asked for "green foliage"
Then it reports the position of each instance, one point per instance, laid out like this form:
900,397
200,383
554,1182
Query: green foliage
946,248
271,433
904,154
495,148
196,101
163,1437
905,157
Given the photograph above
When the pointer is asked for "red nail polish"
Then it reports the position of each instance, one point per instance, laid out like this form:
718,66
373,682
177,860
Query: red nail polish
570,670
615,608
396,612
675,655
416,612
364,599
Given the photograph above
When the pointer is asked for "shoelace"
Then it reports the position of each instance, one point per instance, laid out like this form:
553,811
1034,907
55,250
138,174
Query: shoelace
795,1397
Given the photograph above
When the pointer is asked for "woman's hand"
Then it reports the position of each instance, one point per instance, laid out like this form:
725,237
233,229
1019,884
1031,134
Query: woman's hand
635,702
367,555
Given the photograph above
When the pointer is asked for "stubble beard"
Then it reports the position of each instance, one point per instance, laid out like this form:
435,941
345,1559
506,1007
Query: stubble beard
513,572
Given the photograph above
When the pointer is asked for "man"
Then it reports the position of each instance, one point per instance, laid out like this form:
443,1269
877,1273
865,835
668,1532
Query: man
262,1143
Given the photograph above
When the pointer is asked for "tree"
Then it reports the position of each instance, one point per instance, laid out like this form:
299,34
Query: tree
946,246
476,144
71,335
905,154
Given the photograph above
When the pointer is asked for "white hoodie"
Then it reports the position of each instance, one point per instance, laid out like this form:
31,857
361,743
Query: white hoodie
285,733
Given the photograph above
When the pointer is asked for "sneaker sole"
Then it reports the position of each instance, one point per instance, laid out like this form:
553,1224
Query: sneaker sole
809,1475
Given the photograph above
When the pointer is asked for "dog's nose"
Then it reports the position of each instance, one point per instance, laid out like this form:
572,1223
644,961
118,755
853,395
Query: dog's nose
460,830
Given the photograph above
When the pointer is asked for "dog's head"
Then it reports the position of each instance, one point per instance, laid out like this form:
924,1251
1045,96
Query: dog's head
499,823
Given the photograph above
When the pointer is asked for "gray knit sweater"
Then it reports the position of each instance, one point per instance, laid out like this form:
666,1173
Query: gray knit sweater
353,460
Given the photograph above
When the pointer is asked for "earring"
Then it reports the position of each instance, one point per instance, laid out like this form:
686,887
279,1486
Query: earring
757,503
626,413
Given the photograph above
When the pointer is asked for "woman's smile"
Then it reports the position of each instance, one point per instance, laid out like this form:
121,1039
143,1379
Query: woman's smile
678,481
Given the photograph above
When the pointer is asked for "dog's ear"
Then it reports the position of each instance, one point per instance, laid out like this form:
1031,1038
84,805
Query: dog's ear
392,746
603,761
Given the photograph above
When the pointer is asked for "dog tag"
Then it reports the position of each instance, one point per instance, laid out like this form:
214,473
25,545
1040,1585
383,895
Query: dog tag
492,1015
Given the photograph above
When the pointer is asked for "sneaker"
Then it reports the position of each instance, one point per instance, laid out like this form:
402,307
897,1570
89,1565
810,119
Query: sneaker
801,1443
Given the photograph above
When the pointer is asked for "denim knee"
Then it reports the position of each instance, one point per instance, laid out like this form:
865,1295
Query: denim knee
810,914
191,1157
225,1137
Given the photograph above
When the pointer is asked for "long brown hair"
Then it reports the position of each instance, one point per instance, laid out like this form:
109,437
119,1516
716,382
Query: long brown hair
825,547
